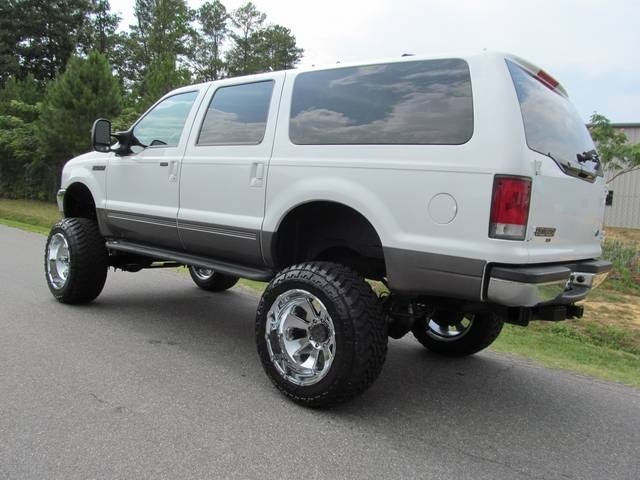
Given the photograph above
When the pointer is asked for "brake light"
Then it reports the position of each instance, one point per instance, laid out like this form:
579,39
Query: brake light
510,207
548,79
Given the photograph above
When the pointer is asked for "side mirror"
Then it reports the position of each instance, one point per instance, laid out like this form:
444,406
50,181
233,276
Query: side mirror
101,135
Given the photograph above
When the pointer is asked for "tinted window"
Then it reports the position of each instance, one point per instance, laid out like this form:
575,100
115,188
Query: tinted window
237,115
551,123
163,125
420,102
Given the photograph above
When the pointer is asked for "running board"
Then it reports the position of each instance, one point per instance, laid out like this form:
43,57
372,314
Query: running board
260,275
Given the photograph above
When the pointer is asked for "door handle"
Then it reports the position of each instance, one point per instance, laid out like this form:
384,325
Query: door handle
257,174
164,164
259,171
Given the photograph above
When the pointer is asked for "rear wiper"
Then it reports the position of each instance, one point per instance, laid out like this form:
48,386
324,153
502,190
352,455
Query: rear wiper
575,170
590,156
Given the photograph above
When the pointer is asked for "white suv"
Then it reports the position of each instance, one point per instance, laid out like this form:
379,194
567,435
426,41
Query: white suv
467,185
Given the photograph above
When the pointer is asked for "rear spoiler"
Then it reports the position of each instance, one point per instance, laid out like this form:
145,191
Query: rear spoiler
540,74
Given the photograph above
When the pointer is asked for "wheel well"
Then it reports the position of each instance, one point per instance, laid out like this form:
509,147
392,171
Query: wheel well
329,231
78,202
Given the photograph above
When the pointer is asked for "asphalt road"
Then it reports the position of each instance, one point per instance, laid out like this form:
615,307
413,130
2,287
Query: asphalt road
158,379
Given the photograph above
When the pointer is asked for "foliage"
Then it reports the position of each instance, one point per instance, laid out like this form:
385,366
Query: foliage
64,62
99,32
625,257
162,77
152,52
85,91
38,38
275,49
247,20
257,48
617,155
19,110
207,58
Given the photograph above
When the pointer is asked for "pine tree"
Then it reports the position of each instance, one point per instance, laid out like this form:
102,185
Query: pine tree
162,77
85,91
160,36
99,31
275,49
44,34
241,59
207,53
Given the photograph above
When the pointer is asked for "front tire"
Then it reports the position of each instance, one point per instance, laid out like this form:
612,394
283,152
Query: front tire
76,261
456,334
207,279
321,333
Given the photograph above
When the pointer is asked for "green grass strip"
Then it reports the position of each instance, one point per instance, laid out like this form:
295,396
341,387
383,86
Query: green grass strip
565,353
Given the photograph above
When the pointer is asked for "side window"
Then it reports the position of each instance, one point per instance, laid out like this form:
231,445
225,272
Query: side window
415,102
237,115
163,125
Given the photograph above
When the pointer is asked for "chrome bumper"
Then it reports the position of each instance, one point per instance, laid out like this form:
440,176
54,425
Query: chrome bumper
60,199
546,284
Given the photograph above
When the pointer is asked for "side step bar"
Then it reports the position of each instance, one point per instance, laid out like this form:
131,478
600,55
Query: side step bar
260,275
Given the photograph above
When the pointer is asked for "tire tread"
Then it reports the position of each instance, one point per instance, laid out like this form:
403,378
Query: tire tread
369,332
89,260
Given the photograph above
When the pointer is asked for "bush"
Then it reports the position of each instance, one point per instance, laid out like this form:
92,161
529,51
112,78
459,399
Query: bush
625,259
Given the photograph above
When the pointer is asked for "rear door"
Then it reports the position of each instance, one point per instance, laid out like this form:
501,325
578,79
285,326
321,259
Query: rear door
568,192
224,170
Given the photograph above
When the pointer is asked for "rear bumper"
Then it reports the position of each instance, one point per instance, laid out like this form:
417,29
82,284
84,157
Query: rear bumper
541,285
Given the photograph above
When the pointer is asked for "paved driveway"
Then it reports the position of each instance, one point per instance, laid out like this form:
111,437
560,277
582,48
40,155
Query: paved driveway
158,379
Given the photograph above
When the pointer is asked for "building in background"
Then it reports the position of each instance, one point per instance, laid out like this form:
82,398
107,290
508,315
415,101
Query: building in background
623,201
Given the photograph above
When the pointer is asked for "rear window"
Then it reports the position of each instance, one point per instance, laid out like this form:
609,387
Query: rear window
552,125
419,102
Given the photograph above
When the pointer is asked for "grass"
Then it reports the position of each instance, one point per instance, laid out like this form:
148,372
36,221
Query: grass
568,351
40,216
604,344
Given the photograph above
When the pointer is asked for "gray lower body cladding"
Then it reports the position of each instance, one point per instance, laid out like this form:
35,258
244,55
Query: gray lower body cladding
409,273
216,241
418,273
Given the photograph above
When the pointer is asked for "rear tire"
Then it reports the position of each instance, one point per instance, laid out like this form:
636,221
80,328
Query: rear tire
456,334
76,260
321,333
207,279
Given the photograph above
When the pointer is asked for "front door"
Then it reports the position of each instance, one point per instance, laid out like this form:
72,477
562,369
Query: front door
143,187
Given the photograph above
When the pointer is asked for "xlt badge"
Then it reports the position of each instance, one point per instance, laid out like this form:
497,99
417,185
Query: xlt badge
545,232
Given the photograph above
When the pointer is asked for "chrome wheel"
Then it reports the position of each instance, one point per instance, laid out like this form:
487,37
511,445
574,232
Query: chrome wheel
58,261
449,329
202,273
300,337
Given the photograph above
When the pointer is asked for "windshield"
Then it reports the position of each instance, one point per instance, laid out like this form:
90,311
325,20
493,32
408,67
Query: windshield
552,125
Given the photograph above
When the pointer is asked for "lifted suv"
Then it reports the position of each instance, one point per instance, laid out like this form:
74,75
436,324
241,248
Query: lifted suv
468,186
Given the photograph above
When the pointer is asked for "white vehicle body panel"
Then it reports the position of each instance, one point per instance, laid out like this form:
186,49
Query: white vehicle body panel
145,185
224,185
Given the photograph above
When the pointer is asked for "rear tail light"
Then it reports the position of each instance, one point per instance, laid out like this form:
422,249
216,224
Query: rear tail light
510,207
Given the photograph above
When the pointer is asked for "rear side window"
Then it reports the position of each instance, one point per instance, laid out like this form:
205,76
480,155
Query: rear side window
237,115
419,102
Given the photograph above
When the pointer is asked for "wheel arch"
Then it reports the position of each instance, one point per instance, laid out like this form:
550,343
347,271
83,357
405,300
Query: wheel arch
79,201
325,230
